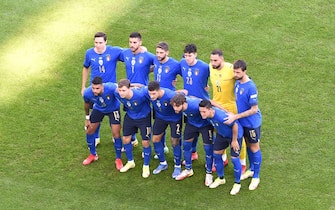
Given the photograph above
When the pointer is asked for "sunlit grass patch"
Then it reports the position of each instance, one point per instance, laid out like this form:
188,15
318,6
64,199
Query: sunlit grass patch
31,58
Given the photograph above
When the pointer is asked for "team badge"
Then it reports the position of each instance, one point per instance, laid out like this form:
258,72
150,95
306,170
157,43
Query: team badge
102,102
241,91
108,97
167,69
166,103
196,72
108,57
158,103
101,62
189,73
141,59
135,103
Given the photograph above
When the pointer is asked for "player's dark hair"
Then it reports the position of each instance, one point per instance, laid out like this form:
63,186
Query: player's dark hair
217,52
163,45
101,34
240,64
190,48
153,85
123,83
178,99
97,81
205,103
135,35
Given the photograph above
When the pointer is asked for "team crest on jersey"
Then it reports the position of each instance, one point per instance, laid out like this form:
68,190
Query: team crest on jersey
167,69
189,73
140,59
128,104
101,62
108,57
135,103
166,103
241,91
108,97
196,72
158,103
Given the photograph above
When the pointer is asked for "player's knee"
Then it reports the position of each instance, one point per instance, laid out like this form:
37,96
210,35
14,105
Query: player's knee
126,139
145,143
175,141
156,138
254,147
90,130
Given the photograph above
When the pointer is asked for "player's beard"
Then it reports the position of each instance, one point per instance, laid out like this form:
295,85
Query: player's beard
238,78
134,49
216,67
163,58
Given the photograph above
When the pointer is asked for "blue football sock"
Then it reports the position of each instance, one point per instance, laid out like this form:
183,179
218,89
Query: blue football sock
219,164
147,155
163,140
90,139
209,157
188,154
118,147
159,150
257,160
194,144
177,154
129,151
250,157
237,169
97,132
133,137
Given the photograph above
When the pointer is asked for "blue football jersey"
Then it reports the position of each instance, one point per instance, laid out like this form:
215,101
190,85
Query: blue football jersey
103,65
192,113
247,96
195,78
163,108
138,106
167,72
106,102
138,66
223,129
